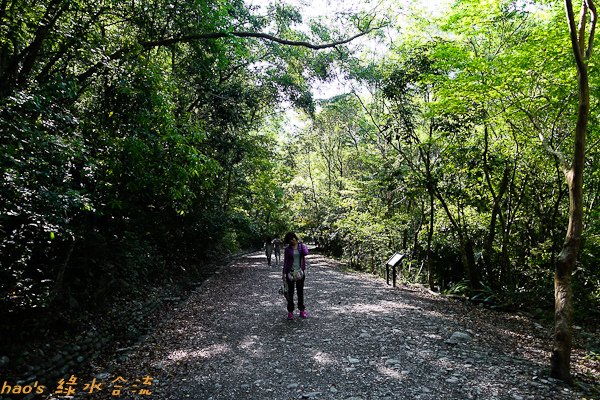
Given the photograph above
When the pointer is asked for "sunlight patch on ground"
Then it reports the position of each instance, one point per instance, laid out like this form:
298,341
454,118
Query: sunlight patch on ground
437,314
262,295
323,358
208,352
383,307
338,309
250,343
392,373
178,355
368,308
433,336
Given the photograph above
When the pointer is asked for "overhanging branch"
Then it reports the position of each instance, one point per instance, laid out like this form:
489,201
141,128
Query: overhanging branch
573,34
243,34
593,20
216,35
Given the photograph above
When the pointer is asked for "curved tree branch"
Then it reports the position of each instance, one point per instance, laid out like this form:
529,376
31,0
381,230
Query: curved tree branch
593,20
243,34
216,35
581,27
573,34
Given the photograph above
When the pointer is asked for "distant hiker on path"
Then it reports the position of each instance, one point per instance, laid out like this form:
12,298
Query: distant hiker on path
268,249
294,272
277,244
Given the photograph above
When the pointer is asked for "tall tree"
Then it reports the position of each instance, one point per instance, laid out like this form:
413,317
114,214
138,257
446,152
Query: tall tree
581,42
135,127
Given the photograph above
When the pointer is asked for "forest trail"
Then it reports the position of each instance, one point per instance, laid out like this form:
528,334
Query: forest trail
364,340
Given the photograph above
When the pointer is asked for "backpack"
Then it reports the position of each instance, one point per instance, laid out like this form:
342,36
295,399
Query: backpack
294,275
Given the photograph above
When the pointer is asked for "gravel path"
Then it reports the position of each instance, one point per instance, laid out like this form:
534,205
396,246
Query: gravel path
364,340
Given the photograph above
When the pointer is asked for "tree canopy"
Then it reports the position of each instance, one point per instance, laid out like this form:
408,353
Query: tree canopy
142,139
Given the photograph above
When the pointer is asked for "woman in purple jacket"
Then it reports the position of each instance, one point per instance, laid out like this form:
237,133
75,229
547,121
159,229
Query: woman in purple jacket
293,272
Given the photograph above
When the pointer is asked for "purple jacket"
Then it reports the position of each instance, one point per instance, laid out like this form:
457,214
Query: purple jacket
288,258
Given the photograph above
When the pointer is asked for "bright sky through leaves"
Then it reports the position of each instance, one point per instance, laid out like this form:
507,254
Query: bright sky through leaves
399,11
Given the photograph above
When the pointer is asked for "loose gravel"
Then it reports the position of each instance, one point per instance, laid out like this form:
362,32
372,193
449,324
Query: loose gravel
363,340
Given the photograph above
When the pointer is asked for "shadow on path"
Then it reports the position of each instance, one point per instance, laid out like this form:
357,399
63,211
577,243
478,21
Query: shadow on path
363,340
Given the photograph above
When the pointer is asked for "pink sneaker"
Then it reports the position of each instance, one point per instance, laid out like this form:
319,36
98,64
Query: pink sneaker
303,314
290,315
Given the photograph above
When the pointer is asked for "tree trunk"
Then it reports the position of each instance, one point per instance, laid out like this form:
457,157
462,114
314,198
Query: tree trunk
225,205
468,260
58,288
489,256
563,314
429,240
268,223
563,295
466,246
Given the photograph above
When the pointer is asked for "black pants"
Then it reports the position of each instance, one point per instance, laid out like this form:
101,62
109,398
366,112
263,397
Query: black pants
290,298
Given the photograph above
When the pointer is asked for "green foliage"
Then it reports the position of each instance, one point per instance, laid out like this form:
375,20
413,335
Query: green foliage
461,288
443,161
125,163
586,278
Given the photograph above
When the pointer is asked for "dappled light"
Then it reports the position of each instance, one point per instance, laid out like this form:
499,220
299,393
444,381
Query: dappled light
439,159
324,359
213,351
393,373
385,341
